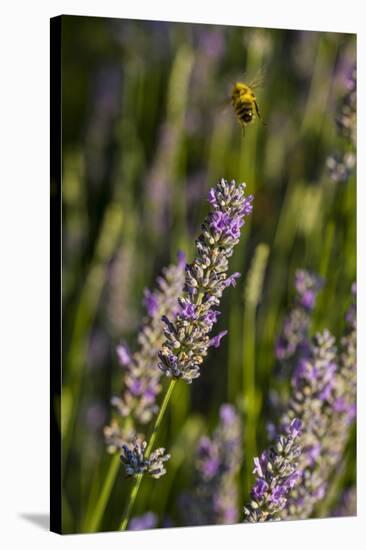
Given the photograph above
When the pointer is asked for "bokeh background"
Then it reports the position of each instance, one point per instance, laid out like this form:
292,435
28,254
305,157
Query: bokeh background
147,129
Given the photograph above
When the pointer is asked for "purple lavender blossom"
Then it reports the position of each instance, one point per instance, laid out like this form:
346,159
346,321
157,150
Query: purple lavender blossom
187,338
216,340
228,415
276,471
211,316
294,336
123,354
188,310
341,164
215,497
135,462
146,521
231,281
323,395
151,302
260,487
141,376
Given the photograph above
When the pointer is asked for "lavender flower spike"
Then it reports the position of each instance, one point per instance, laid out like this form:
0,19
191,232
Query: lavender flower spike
277,473
294,335
141,376
215,496
324,393
187,338
136,463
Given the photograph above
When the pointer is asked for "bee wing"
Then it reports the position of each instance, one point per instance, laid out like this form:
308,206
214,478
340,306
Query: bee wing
258,78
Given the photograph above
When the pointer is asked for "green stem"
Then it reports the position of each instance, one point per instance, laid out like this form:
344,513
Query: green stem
136,486
249,390
94,522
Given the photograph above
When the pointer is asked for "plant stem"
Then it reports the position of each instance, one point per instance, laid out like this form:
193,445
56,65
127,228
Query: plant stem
94,522
136,486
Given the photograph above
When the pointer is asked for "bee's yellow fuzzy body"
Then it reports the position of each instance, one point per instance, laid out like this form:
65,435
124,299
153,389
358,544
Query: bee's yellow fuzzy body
244,103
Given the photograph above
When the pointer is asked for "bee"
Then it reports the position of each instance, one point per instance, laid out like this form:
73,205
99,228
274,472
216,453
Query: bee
244,104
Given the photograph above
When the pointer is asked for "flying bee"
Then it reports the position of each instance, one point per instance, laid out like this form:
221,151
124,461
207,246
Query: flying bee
244,104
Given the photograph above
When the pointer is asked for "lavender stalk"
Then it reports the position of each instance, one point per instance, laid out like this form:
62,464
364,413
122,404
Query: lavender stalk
187,336
324,394
276,473
294,337
341,164
137,403
214,499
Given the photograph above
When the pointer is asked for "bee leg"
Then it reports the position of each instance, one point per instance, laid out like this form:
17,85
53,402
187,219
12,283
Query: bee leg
256,109
258,114
243,130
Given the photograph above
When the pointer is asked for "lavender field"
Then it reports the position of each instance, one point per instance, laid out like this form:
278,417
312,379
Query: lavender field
209,277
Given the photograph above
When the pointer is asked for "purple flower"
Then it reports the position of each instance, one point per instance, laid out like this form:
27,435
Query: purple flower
211,316
146,521
136,387
135,462
220,222
141,377
292,480
294,428
228,414
215,495
210,467
212,199
187,337
326,393
232,279
215,341
260,487
308,299
277,473
123,354
150,302
351,412
319,492
340,405
258,467
188,311
313,453
293,340
181,257
278,494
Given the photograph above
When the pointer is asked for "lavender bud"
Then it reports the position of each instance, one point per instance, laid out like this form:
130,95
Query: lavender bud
136,463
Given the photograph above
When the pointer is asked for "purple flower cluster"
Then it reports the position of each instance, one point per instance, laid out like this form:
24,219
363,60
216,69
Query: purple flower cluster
294,335
215,497
323,398
345,387
346,119
141,376
341,165
135,462
187,337
276,473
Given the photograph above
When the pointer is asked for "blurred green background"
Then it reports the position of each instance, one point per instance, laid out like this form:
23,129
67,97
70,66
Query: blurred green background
147,129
